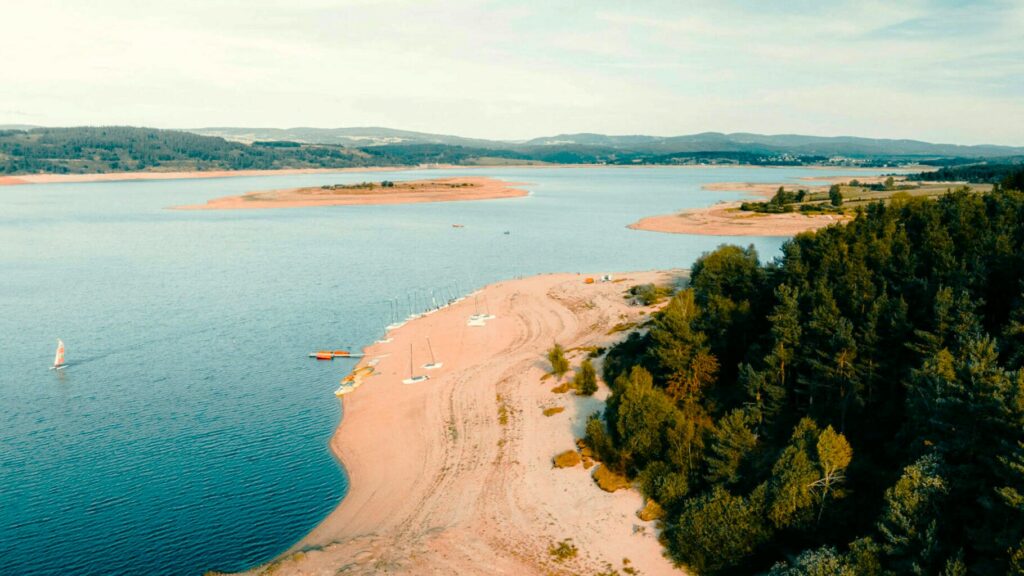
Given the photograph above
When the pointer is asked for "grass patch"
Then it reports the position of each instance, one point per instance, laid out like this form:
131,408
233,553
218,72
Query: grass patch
622,327
650,511
564,550
553,410
609,481
567,459
648,294
502,410
562,388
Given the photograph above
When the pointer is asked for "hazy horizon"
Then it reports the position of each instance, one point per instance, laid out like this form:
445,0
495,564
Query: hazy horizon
937,70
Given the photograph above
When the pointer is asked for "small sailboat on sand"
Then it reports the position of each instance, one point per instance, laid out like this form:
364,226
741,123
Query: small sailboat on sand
434,364
413,378
58,359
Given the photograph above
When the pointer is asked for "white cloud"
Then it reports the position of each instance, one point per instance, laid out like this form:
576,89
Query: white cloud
483,69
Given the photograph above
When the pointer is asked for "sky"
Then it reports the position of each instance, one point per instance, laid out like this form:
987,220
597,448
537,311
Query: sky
936,70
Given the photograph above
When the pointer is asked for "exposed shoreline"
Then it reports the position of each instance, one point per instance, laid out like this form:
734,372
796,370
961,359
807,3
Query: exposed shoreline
23,179
726,219
404,192
440,484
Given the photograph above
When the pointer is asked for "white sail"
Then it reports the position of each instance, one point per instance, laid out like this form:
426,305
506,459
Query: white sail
58,359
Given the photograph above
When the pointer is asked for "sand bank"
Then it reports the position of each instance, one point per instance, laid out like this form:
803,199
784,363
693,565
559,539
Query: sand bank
439,485
726,218
409,192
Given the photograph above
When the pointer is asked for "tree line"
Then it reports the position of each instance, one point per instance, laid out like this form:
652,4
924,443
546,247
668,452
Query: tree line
127,149
855,406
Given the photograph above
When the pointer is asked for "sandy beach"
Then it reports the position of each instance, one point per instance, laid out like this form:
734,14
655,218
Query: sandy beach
403,192
441,484
726,218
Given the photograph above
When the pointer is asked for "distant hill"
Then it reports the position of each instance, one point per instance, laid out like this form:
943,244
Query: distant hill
782,143
127,148
353,137
793,144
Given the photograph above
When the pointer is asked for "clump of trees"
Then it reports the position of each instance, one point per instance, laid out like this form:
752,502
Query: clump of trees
855,406
975,172
781,202
835,195
649,294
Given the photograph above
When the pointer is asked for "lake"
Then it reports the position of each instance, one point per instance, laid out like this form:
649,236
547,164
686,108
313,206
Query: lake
190,430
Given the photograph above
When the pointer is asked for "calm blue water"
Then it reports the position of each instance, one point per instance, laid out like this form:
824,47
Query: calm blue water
190,431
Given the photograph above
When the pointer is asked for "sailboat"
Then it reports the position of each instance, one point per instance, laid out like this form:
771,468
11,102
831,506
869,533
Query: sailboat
395,323
434,364
58,359
413,379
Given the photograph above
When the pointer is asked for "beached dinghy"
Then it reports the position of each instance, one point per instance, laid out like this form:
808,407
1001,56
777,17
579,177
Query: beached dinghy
58,359
413,379
433,364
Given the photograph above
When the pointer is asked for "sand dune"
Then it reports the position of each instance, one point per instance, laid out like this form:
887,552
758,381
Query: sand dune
439,485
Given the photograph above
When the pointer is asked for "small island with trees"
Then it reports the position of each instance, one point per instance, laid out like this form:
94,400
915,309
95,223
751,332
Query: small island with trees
383,192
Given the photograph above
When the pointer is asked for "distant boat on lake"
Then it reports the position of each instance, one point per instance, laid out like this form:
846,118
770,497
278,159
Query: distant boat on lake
58,359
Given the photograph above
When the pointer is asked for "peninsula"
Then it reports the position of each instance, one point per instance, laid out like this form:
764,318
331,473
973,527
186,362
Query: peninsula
454,475
789,209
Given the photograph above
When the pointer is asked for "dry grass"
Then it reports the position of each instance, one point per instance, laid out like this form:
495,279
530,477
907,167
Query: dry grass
502,410
562,388
564,550
567,459
609,481
553,410
622,327
650,511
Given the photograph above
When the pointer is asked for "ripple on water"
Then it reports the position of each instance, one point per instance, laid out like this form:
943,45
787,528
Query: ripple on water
190,431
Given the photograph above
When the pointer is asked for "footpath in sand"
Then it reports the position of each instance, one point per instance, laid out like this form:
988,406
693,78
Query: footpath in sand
401,192
726,218
441,483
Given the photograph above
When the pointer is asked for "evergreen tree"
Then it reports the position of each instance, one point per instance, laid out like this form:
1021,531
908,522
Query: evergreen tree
719,531
732,442
910,521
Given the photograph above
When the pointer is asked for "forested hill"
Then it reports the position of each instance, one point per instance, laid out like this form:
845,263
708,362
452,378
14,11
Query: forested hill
126,149
855,407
